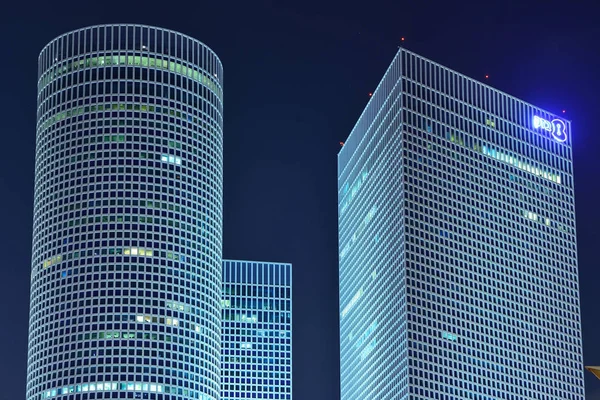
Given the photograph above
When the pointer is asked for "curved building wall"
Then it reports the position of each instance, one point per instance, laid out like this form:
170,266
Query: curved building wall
126,263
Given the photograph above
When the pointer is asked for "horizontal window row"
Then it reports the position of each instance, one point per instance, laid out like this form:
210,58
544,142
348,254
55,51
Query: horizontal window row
135,203
279,374
125,107
261,316
504,157
45,225
256,304
150,62
130,335
282,388
241,363
134,251
229,329
253,291
169,321
170,343
128,386
170,159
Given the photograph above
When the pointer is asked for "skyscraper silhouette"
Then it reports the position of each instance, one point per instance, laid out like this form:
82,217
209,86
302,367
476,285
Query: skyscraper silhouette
126,266
458,264
257,330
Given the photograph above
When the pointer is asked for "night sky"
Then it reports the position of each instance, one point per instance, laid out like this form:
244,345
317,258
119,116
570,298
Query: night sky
297,77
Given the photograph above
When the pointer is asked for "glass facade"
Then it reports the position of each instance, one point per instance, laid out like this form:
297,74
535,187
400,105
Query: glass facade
126,265
458,267
257,330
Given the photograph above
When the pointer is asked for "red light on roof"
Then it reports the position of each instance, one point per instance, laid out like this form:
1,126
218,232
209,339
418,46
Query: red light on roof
341,143
564,111
370,94
402,39
487,76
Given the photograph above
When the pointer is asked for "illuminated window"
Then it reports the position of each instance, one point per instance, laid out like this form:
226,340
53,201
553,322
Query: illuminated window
449,336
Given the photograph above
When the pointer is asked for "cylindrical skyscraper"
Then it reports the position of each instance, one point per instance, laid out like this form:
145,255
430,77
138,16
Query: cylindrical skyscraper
126,263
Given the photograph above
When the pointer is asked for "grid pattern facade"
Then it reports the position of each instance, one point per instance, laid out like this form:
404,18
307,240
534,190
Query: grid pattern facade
458,269
257,330
126,266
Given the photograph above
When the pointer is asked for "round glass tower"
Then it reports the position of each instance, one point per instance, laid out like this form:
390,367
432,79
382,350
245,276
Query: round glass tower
126,263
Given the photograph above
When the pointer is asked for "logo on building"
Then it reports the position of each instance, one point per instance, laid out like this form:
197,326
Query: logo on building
556,127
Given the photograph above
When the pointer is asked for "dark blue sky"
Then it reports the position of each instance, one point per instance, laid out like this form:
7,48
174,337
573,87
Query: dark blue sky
297,77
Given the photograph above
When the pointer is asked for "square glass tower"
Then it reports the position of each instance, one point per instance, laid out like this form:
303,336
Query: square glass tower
256,330
458,265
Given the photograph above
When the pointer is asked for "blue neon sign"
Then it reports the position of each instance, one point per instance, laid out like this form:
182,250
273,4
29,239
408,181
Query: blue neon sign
556,127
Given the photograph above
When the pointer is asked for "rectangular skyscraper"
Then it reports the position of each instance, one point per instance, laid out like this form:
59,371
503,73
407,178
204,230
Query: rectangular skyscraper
256,330
458,266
